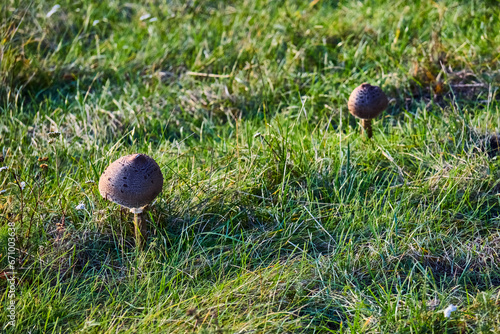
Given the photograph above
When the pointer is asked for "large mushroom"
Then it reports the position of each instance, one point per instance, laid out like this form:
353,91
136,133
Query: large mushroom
367,102
132,181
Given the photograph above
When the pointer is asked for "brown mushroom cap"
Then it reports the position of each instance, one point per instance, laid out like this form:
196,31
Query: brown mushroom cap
367,101
132,181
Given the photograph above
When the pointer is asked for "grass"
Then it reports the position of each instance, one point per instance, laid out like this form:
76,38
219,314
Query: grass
277,214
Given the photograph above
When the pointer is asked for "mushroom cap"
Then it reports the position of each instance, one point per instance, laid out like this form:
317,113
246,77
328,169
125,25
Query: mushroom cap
367,101
132,181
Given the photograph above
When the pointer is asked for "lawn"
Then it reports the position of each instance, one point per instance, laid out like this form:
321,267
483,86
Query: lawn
277,213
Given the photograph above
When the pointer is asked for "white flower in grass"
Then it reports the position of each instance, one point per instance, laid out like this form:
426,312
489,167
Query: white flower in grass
447,311
2,191
145,17
80,206
53,10
153,19
95,22
22,185
3,168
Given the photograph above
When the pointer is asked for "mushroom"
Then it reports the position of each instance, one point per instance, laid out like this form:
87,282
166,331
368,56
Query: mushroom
132,181
367,102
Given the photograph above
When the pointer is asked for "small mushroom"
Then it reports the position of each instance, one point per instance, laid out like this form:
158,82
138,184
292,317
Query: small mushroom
367,102
132,181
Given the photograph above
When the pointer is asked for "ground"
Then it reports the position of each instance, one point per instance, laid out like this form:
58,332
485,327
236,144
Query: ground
277,213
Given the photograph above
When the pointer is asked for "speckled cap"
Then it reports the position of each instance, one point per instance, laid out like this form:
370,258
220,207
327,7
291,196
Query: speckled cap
367,101
132,181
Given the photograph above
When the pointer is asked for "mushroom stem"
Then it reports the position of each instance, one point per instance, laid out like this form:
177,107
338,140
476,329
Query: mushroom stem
138,235
139,227
367,125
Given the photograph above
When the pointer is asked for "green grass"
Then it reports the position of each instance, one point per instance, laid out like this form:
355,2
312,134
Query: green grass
277,214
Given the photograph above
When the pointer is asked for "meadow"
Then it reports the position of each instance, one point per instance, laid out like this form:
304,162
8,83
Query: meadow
277,214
